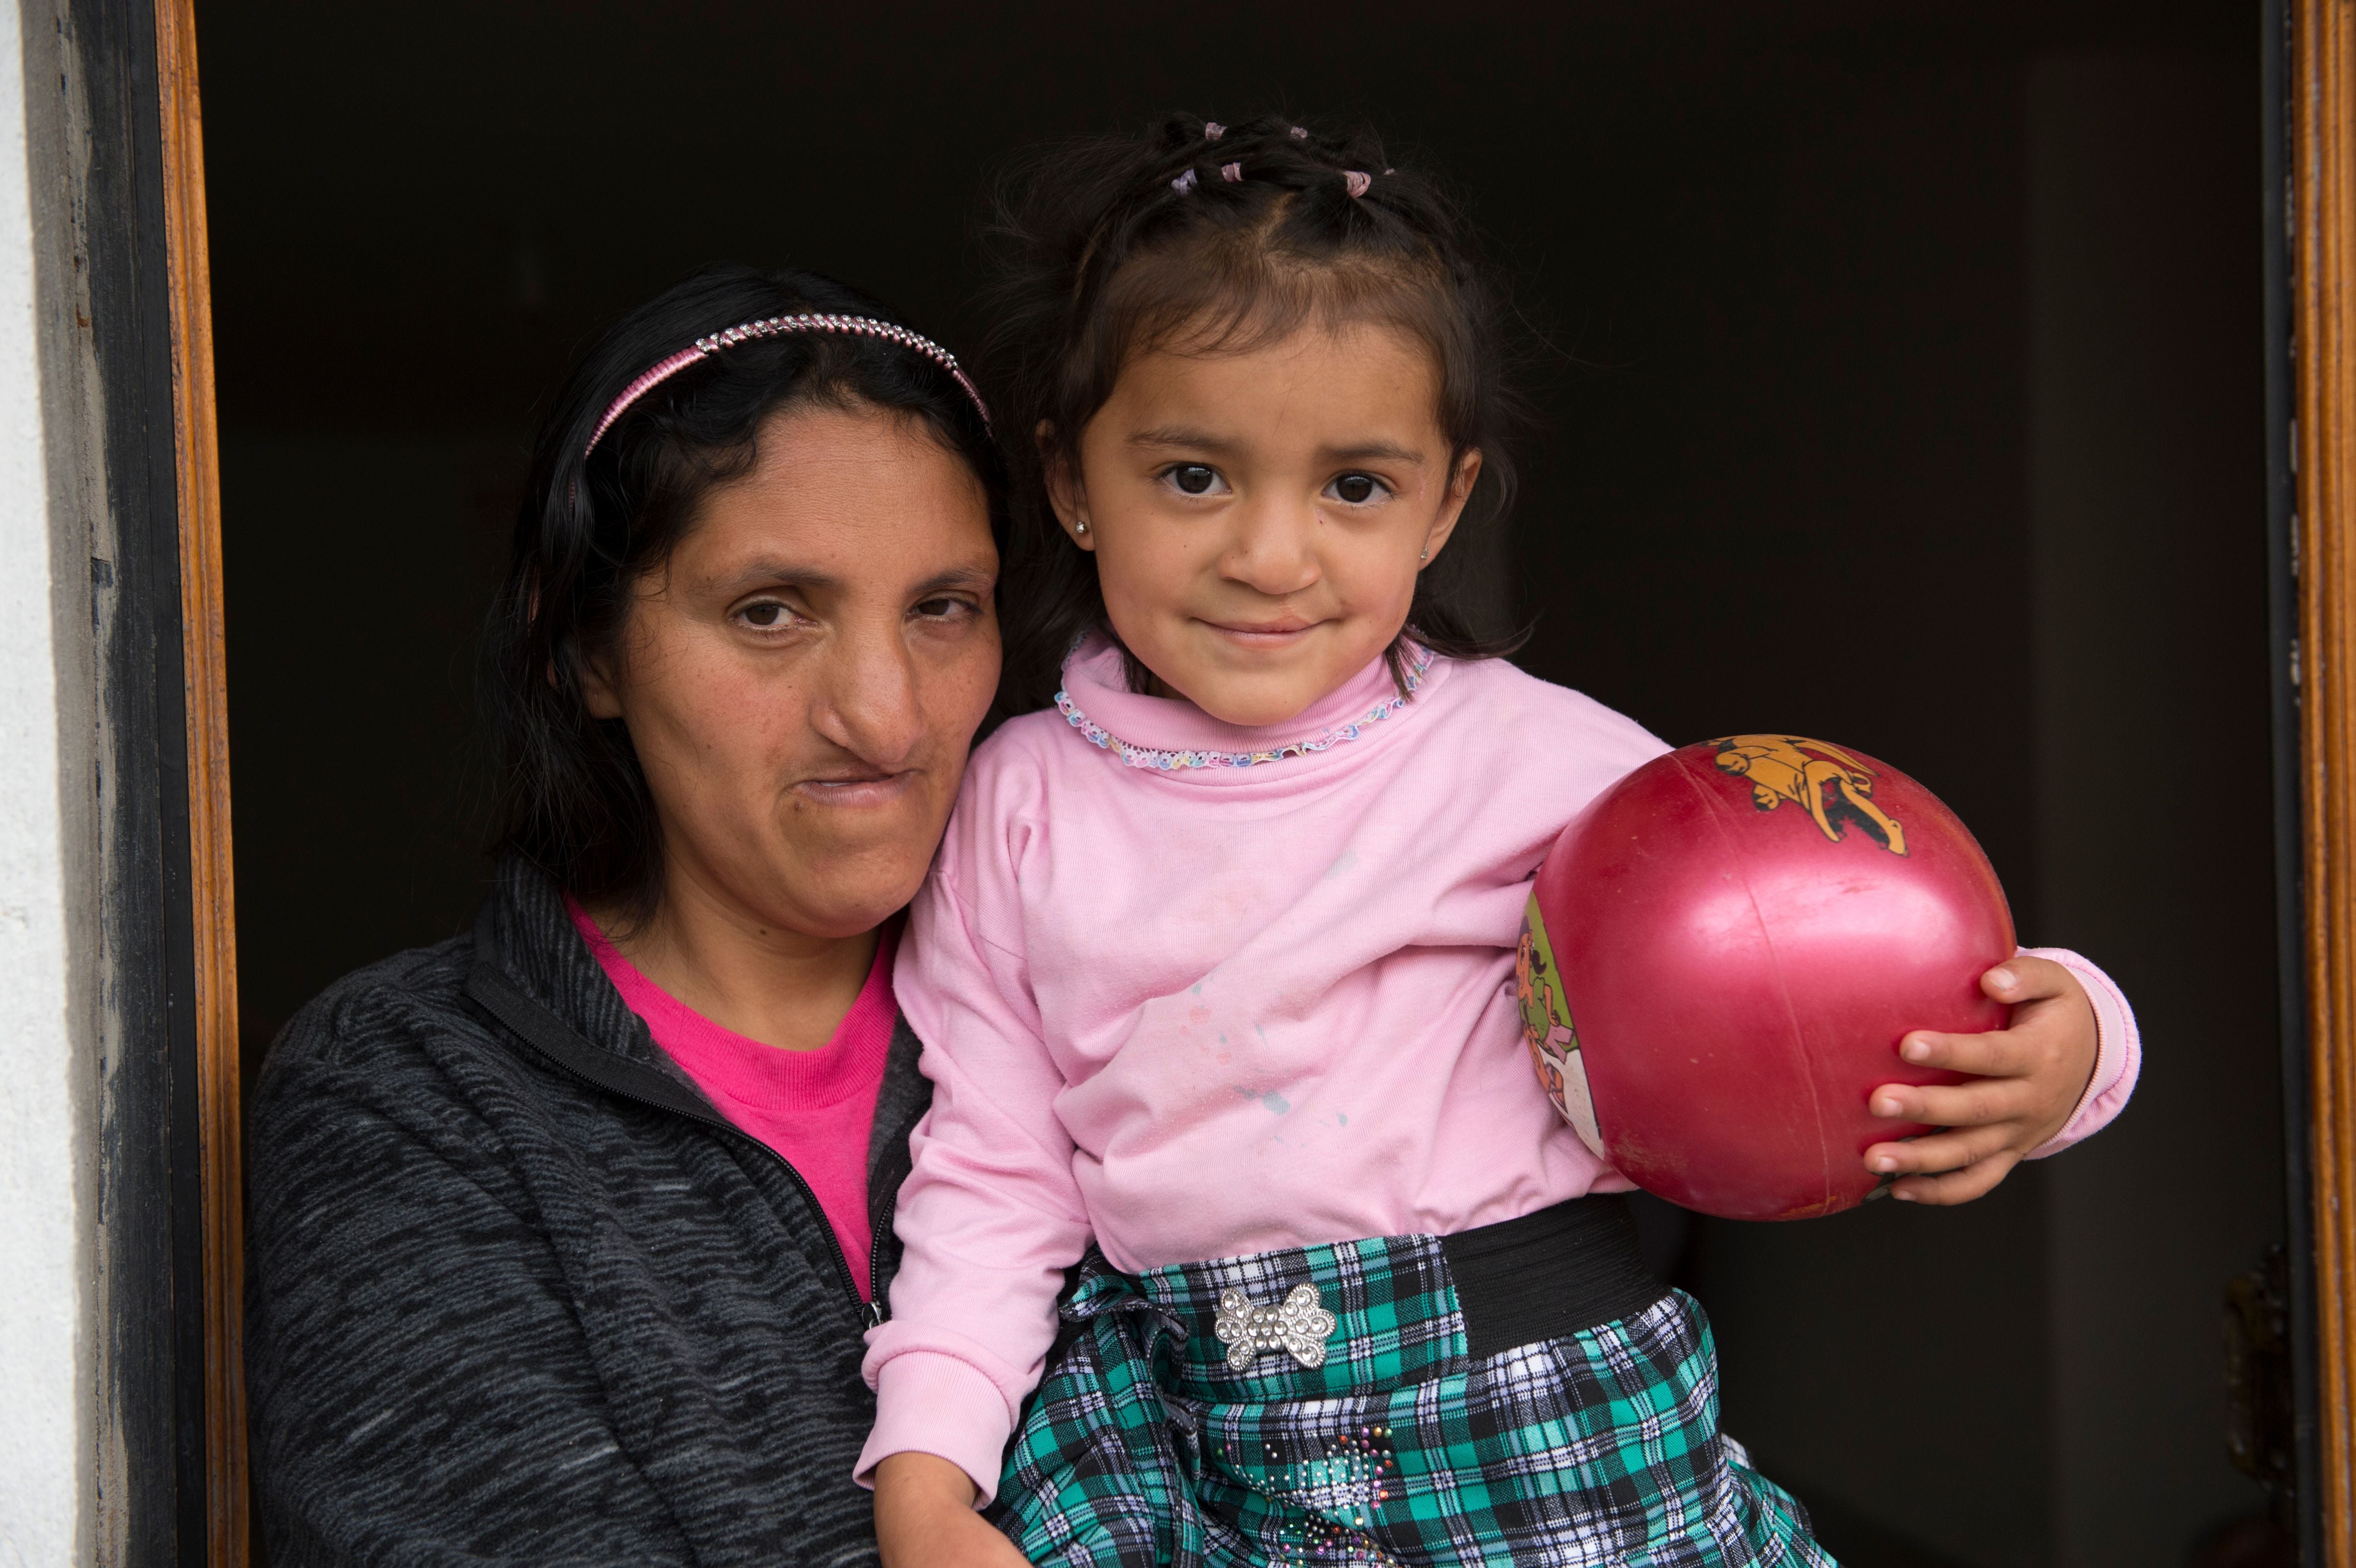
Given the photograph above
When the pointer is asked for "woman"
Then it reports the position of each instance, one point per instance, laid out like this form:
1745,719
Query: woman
554,1254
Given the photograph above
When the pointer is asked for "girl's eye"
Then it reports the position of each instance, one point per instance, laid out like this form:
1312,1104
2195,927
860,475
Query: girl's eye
1194,478
1357,489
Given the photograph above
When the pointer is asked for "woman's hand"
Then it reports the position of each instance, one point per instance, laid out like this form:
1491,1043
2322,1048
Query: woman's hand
925,1518
2031,1077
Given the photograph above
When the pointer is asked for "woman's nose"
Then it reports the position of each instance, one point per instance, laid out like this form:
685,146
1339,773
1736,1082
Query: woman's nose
867,701
1274,548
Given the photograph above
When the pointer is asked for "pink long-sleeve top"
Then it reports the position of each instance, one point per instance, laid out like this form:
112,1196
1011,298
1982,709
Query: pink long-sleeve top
1202,1011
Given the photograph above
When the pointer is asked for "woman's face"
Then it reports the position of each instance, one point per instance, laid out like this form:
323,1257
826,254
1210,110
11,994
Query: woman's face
803,679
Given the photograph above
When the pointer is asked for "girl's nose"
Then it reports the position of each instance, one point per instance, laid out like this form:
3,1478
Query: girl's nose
1274,551
867,701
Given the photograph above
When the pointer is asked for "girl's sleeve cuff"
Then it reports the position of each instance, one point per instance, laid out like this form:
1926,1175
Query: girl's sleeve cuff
930,1402
2118,1052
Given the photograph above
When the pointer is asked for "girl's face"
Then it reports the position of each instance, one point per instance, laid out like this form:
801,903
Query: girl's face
802,681
1258,518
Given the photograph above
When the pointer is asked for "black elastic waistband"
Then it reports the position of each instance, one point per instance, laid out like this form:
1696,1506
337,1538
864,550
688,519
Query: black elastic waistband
1573,1266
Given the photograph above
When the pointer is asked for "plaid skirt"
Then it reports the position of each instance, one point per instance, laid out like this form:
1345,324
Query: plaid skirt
1215,1413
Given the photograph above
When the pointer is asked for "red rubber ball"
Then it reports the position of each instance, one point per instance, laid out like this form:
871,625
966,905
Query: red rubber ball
1722,953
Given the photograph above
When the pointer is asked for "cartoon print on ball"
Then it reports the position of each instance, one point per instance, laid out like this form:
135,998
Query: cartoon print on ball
1547,1030
1780,769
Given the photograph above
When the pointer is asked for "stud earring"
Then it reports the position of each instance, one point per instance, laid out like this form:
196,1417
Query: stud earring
1426,555
1079,527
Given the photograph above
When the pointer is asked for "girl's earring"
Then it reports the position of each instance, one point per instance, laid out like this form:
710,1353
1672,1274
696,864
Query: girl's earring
1079,527
1426,555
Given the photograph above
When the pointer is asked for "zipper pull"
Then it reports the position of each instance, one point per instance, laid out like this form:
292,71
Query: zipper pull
875,1315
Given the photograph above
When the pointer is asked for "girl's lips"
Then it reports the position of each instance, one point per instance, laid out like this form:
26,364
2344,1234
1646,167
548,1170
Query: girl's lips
1270,635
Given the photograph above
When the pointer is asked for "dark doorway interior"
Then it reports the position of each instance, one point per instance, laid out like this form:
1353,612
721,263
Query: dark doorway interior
1908,394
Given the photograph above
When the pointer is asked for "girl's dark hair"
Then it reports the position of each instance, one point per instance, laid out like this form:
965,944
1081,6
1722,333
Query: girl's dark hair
1106,250
573,800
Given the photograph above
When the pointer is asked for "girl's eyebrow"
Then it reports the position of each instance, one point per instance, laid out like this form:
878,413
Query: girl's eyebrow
1181,436
1188,440
1374,451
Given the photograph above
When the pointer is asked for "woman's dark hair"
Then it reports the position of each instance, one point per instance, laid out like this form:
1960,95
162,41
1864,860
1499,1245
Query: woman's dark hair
574,799
1111,247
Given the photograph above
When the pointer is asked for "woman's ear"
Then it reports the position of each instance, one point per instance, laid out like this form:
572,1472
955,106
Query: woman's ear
599,692
1064,492
1451,506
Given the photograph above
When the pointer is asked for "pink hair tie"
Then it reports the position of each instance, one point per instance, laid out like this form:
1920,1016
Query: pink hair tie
778,326
1231,172
1298,133
1356,182
1184,183
1213,129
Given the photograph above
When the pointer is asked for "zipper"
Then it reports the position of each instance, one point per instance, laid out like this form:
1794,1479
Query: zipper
870,1309
876,1311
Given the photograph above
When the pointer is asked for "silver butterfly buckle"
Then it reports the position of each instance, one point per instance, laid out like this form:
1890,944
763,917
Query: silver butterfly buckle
1296,1324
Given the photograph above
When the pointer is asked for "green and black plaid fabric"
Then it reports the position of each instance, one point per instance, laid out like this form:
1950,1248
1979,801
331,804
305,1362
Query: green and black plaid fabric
1143,1446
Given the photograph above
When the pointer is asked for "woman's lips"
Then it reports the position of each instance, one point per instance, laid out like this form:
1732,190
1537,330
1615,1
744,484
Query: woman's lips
867,790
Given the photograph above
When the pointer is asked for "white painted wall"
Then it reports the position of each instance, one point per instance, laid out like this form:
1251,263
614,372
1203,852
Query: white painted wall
46,1385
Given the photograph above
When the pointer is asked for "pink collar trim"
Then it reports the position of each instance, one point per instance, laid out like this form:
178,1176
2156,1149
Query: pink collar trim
1193,739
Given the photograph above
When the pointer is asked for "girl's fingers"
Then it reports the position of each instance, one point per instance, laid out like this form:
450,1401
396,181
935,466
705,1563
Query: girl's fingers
2033,986
1955,1186
1938,1151
1999,1054
2026,979
1973,1103
1981,1120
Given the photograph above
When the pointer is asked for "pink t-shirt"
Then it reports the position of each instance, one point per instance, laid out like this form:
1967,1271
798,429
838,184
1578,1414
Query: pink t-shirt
813,1108
1198,1011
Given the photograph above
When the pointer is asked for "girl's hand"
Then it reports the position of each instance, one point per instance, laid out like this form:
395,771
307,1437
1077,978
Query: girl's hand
2032,1076
925,1518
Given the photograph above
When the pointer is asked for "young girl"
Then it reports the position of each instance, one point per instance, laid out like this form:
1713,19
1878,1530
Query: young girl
1216,968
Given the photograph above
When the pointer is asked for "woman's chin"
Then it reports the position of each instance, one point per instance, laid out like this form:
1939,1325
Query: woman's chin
846,882
839,915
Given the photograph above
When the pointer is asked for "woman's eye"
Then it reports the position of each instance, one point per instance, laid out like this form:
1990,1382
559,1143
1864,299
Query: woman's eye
767,615
1194,478
1357,489
939,608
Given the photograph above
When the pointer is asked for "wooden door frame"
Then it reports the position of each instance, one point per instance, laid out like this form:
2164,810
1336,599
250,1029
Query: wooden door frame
204,653
115,141
2312,43
2318,350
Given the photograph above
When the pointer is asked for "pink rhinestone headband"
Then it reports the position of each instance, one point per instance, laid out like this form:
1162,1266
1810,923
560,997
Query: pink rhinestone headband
775,326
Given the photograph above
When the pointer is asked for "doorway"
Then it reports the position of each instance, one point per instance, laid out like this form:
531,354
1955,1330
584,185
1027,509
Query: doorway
1907,386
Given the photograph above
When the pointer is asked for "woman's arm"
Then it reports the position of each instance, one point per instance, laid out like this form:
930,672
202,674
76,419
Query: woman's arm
421,1391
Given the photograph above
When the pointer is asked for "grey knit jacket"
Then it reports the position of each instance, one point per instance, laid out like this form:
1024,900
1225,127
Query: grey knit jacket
516,1293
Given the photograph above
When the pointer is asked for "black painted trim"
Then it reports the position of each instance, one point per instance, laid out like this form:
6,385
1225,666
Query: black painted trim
151,1197
2275,130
